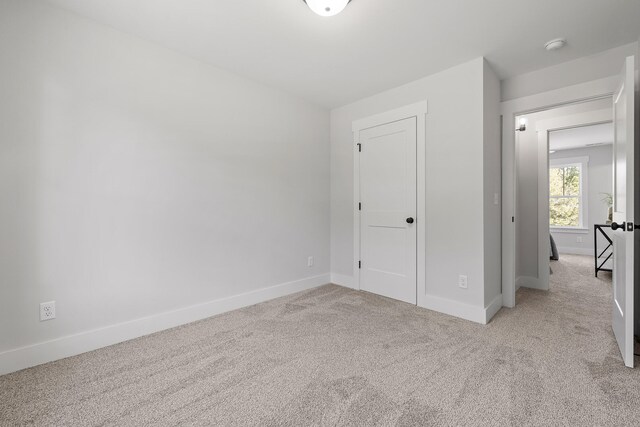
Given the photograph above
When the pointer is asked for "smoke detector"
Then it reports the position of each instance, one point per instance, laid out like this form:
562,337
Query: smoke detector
555,44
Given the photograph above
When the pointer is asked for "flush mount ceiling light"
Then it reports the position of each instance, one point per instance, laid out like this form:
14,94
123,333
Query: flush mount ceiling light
555,44
327,7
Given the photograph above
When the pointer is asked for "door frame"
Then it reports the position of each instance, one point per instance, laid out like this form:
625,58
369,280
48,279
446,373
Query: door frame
418,110
510,109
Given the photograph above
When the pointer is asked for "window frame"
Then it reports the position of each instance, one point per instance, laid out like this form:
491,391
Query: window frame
583,199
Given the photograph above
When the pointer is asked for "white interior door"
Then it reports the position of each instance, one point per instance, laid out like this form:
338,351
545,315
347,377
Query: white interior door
623,211
388,210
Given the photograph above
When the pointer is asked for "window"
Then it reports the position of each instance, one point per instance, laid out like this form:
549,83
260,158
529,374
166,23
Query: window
567,190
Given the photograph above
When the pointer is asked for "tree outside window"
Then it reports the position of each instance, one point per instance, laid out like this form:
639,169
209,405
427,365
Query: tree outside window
565,195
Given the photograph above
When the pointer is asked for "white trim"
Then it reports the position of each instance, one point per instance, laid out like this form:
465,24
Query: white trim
583,162
510,109
418,110
544,245
343,280
71,345
564,161
529,282
356,209
569,230
574,251
573,121
492,309
464,311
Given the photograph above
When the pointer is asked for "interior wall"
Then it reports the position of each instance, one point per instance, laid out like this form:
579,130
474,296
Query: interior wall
455,161
492,186
135,180
600,180
527,200
582,70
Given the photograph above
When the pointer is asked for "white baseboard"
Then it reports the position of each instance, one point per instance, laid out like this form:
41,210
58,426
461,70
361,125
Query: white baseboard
575,251
528,282
461,310
71,345
493,308
343,280
442,305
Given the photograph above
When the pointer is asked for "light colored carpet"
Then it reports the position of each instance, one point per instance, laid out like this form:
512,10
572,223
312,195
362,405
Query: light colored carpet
332,356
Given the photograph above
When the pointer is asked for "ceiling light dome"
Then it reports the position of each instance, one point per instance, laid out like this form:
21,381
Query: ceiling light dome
327,7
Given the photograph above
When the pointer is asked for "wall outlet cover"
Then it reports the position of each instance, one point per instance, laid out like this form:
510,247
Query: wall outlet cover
47,310
463,281
310,261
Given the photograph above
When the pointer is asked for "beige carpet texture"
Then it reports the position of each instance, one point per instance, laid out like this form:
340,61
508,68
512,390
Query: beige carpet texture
332,356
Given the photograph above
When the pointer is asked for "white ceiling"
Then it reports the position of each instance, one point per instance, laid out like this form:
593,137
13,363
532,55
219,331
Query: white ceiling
581,137
373,45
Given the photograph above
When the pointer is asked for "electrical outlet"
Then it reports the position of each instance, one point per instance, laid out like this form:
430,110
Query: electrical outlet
496,198
310,261
463,281
47,310
579,239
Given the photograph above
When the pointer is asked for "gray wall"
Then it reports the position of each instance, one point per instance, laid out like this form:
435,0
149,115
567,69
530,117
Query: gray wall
136,181
527,201
582,70
600,180
456,161
492,186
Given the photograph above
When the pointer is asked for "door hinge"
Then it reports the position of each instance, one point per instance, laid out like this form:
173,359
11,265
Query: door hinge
359,206
359,264
513,219
359,147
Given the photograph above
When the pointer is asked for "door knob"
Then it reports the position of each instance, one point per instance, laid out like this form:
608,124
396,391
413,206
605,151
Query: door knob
615,226
409,220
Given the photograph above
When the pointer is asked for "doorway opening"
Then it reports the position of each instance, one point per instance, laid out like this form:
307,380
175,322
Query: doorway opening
564,186
619,94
